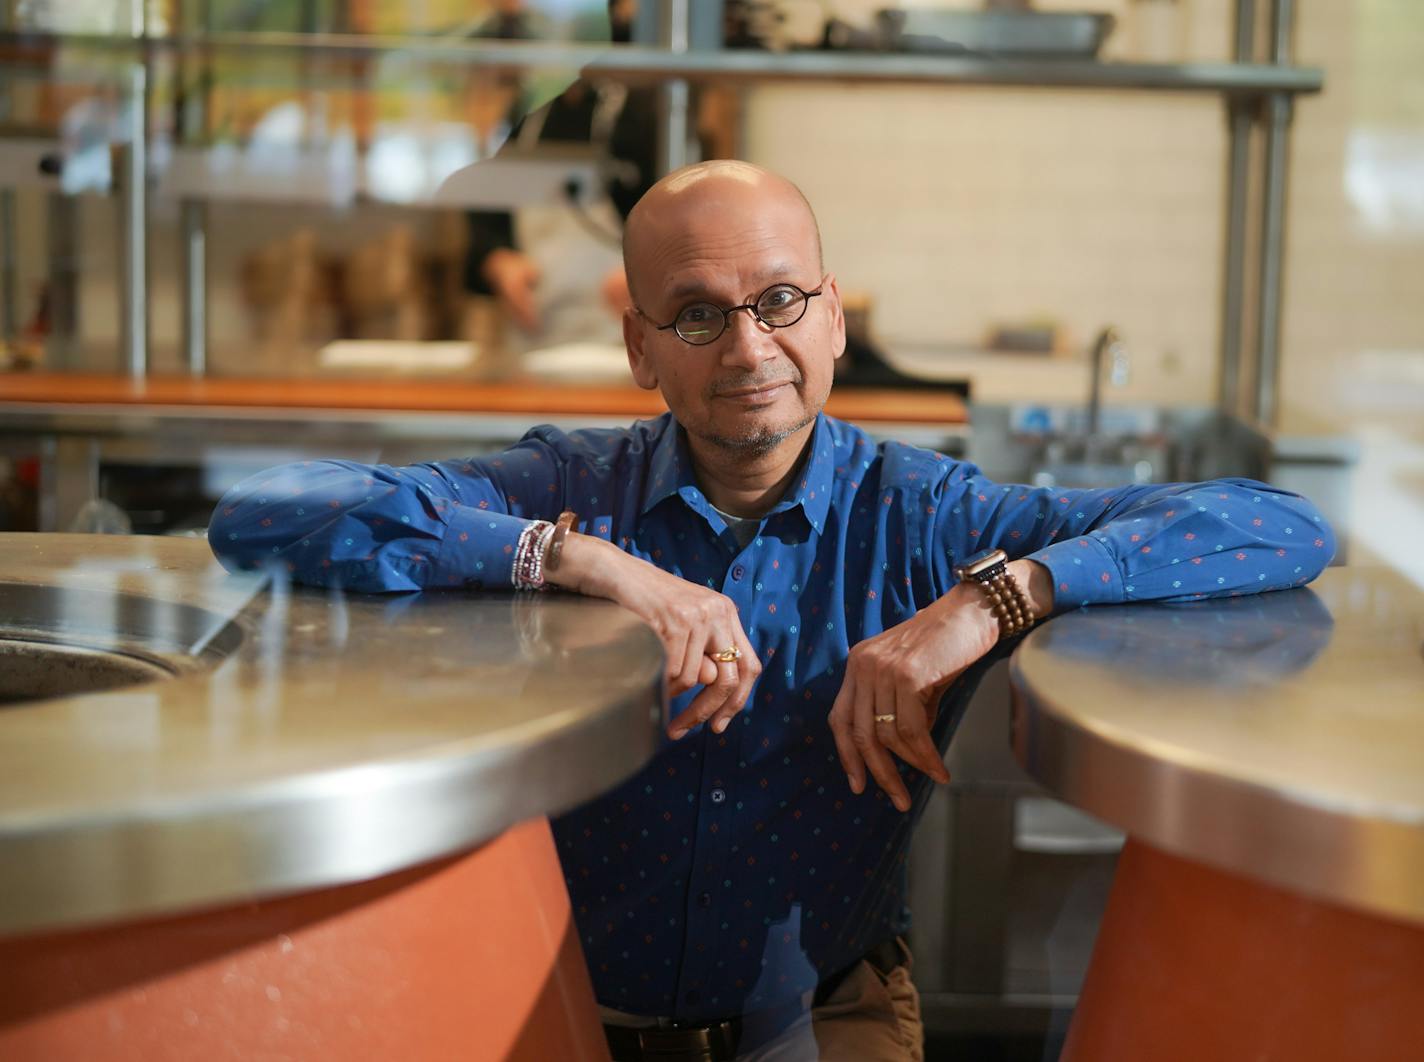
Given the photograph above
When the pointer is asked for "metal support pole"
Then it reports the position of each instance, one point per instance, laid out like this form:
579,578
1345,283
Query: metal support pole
194,219
69,477
673,102
9,262
1278,118
195,81
133,227
62,242
1238,172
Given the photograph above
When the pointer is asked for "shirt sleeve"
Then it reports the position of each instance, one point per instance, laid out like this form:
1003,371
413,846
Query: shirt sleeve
380,528
1167,542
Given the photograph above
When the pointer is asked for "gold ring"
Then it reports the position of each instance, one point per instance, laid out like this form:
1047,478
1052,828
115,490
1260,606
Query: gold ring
729,655
885,718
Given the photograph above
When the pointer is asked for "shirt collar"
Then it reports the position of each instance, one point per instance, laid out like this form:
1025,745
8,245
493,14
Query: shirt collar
670,466
670,472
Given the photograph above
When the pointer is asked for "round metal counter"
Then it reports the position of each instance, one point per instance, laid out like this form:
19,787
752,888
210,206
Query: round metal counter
1265,755
251,819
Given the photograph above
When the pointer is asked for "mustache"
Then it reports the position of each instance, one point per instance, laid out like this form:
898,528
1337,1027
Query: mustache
753,381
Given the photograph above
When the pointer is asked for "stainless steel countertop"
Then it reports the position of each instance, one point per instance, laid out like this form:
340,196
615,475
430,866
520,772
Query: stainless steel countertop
309,738
1279,736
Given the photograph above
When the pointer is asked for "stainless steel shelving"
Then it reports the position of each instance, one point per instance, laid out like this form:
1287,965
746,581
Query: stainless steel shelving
649,63
1259,97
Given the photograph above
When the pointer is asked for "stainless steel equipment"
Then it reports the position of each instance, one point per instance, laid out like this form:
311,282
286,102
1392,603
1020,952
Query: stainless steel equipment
286,738
1023,33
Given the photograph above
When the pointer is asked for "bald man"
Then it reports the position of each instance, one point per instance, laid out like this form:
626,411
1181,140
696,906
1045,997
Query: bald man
816,593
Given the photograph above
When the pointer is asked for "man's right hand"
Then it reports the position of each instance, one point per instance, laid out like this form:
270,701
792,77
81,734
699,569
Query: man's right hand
691,621
513,276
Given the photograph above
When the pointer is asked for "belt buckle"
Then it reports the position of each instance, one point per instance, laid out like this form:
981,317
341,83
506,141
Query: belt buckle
716,1042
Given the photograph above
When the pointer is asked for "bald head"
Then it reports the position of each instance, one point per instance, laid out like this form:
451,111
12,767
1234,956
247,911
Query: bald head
709,204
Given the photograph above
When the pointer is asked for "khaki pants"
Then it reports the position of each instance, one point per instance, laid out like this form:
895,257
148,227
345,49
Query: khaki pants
870,1017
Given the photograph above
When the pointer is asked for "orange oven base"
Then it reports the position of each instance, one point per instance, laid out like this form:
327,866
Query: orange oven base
467,958
1193,963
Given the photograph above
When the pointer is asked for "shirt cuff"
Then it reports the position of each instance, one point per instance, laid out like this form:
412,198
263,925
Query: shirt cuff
1084,573
478,549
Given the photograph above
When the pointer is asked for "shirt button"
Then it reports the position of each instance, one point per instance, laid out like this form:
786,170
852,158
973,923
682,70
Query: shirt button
737,572
704,899
719,795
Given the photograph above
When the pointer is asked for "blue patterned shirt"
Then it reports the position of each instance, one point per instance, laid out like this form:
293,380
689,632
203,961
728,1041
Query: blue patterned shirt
735,869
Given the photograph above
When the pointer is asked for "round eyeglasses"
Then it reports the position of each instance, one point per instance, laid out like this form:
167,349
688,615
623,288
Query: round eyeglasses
779,306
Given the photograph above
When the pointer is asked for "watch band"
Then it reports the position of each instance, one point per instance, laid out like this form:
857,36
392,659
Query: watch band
990,572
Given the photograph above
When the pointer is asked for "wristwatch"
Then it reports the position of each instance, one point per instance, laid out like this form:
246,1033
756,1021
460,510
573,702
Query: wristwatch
989,570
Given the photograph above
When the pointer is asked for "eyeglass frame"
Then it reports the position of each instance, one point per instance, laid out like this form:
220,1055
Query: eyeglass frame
727,312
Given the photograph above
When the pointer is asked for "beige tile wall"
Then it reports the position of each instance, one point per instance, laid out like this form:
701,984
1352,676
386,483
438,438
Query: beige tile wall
1354,326
956,208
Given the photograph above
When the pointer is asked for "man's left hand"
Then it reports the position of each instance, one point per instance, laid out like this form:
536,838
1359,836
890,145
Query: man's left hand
902,673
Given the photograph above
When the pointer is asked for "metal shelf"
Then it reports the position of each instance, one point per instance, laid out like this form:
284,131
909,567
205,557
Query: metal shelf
646,63
1259,99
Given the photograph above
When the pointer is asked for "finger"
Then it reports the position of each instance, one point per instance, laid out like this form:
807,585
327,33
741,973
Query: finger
690,666
841,731
693,714
675,653
728,671
915,737
932,710
728,679
884,704
882,767
706,703
748,670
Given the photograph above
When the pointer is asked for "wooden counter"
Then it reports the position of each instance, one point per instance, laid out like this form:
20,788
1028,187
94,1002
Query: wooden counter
81,422
431,395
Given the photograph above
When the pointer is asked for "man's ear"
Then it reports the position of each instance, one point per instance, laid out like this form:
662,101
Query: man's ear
833,295
644,374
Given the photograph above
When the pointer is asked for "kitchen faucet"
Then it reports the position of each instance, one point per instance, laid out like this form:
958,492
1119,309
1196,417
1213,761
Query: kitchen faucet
1107,343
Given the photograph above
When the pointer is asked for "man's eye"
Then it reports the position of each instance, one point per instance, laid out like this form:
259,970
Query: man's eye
780,301
696,315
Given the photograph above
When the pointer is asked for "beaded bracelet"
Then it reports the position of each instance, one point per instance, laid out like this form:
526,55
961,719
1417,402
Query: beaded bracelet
989,571
528,570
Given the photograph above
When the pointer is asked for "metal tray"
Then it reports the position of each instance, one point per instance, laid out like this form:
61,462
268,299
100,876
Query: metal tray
1041,34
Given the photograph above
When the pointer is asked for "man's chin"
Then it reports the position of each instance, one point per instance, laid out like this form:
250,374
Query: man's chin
757,439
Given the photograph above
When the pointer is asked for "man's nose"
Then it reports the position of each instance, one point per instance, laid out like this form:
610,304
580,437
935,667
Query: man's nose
747,341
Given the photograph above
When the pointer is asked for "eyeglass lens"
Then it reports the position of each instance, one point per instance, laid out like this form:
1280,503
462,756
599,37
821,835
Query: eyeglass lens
777,307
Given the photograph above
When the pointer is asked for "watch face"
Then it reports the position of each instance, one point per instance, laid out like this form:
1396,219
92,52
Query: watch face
982,562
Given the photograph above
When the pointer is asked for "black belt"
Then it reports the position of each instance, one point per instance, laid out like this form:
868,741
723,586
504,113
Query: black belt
718,1041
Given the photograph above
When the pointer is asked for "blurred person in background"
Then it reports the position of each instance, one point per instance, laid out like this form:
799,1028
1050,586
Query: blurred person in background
555,269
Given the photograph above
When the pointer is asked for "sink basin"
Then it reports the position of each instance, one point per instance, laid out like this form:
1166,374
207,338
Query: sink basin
31,670
58,641
1082,461
1050,446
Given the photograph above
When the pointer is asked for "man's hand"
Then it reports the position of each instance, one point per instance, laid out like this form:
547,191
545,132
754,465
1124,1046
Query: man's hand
903,672
690,620
513,276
